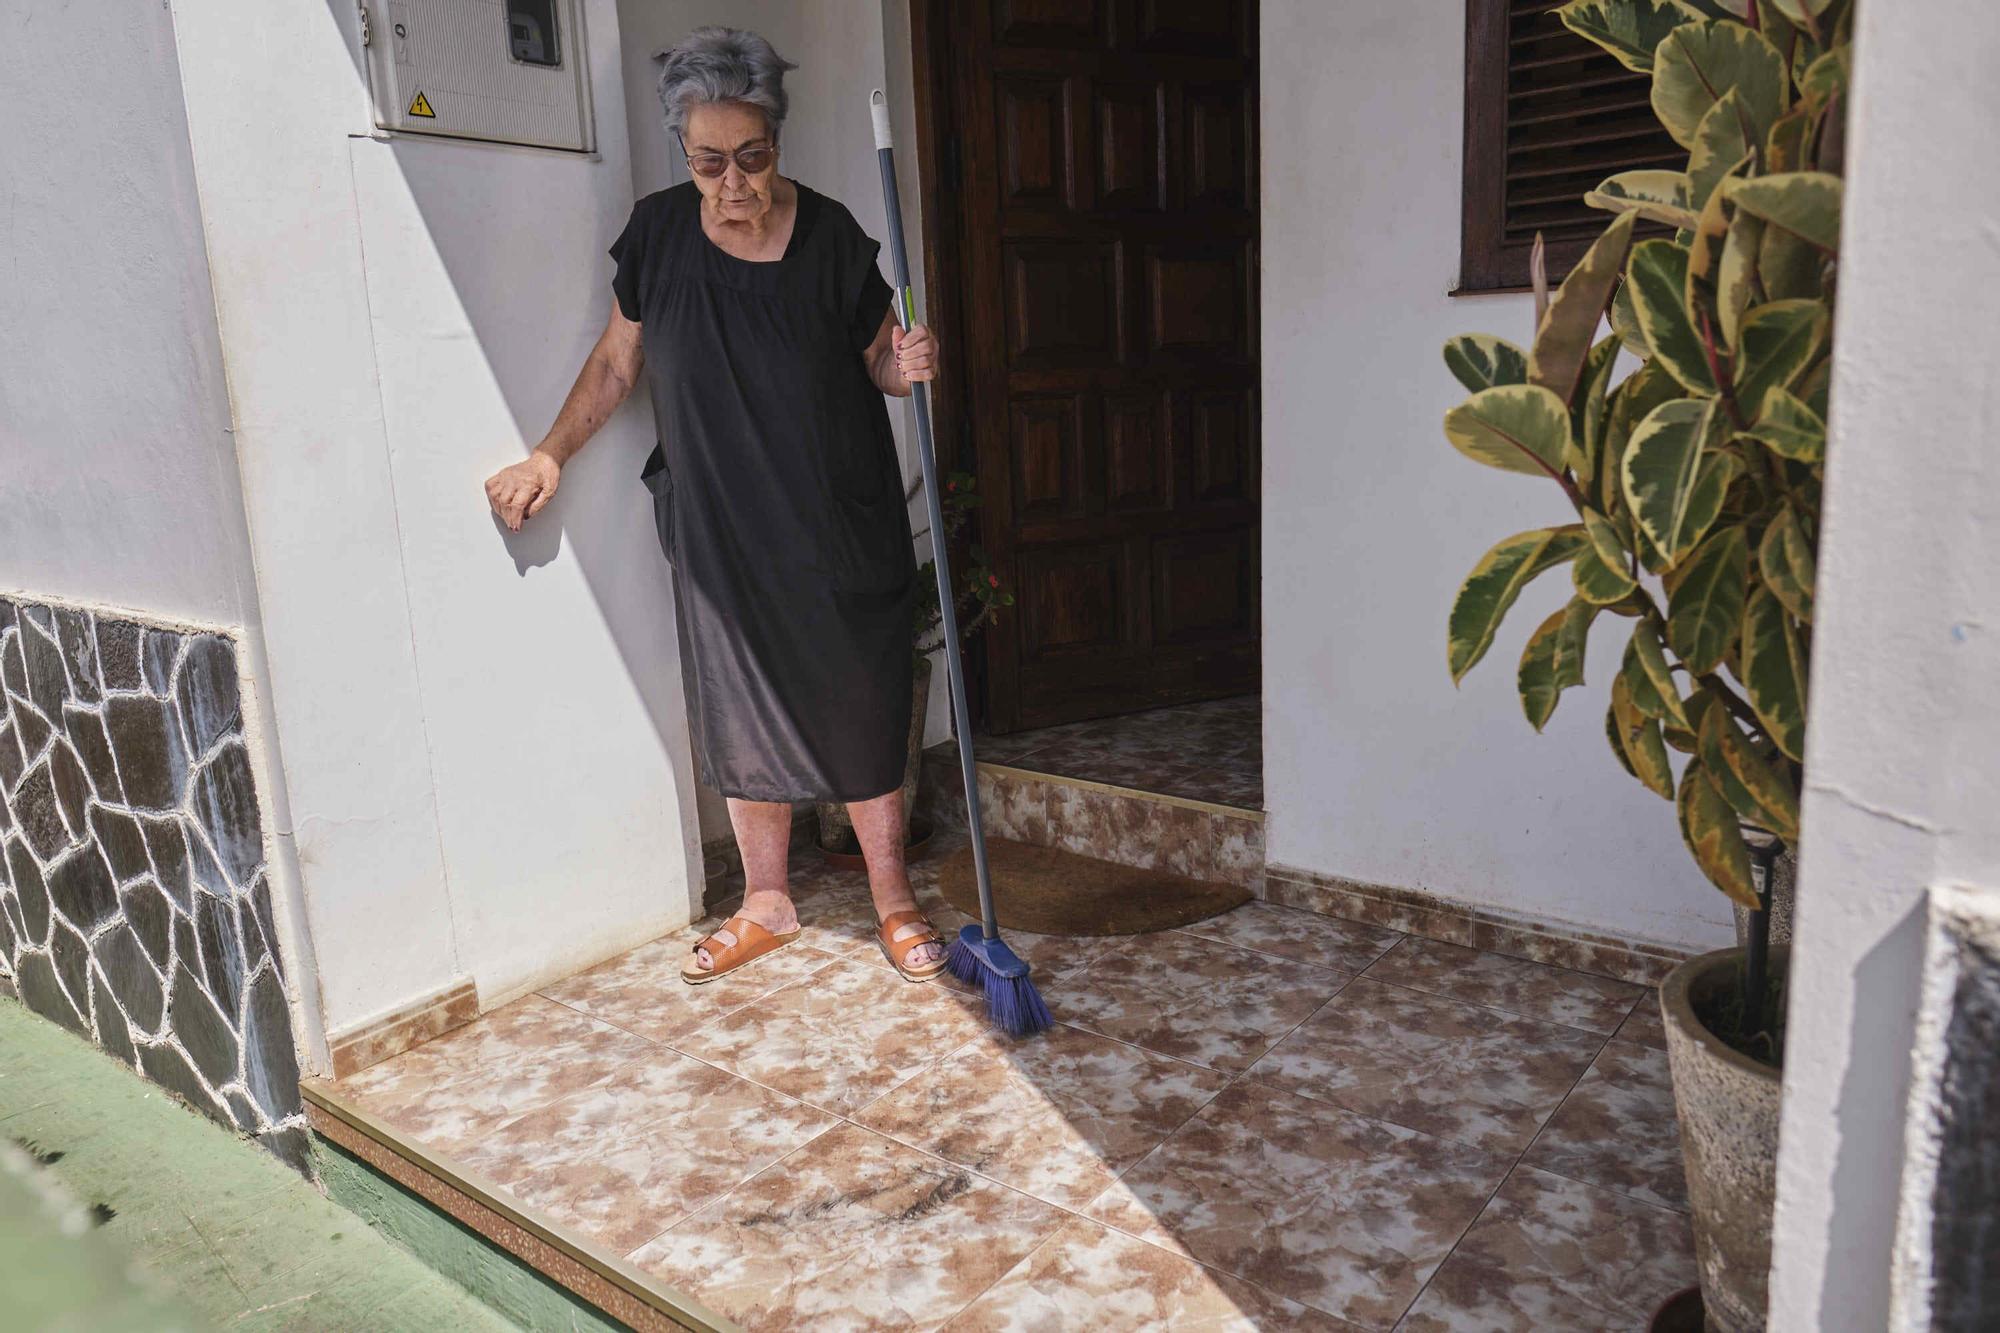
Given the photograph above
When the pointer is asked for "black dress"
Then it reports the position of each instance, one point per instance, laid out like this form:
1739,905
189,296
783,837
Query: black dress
779,499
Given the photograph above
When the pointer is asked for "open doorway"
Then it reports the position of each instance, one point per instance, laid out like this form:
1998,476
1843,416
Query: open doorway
1092,248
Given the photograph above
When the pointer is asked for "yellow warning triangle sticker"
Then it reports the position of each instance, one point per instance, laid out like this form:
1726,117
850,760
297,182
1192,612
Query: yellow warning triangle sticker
422,107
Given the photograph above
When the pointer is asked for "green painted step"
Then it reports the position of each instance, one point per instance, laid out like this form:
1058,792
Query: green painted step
235,1238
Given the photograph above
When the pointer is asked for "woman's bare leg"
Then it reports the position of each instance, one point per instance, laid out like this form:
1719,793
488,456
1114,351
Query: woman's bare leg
878,825
764,836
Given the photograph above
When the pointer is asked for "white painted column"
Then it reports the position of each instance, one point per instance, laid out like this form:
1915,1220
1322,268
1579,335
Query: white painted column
1903,755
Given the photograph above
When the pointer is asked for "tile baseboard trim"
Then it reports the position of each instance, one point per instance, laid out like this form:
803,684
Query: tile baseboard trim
1413,912
590,1273
409,1025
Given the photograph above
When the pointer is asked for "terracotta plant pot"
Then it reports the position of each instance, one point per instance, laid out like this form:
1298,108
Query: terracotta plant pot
836,830
1727,1104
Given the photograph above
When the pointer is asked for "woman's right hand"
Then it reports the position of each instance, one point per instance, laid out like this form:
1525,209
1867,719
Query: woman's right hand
518,492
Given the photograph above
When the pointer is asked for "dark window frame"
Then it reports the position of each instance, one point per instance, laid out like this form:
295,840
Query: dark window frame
1489,261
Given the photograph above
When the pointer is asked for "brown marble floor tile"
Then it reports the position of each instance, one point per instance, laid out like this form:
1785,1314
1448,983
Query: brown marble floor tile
642,991
1303,937
842,1037
1617,1129
1057,1117
1555,1254
1459,1071
1194,999
450,1092
1089,1277
1342,1213
1645,1025
1532,990
852,1231
625,1160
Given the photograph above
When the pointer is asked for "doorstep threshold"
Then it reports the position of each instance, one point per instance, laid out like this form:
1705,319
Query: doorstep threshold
1113,789
580,1266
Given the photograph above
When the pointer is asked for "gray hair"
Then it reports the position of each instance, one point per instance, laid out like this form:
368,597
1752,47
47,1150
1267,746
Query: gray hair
716,64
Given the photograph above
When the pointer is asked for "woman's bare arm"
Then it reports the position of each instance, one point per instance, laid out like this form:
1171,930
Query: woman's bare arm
518,492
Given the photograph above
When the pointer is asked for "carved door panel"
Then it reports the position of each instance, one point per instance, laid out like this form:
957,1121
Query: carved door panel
1109,233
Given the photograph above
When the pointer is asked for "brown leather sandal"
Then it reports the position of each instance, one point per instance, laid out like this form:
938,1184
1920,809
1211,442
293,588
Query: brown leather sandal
752,942
896,950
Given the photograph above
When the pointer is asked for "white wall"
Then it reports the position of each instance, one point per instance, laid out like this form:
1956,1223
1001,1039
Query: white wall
484,736
1903,784
1375,768
844,49
119,480
118,472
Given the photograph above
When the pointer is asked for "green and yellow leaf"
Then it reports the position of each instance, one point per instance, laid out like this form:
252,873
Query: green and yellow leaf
1599,583
1587,413
1629,29
1804,203
1756,789
1805,13
1514,427
1645,749
1774,671
1696,64
1712,834
1645,655
1480,361
1489,592
1705,606
1664,464
1826,78
1705,251
1611,730
1657,277
1790,428
1657,196
1721,142
1778,340
1785,559
1642,391
1564,339
1785,145
1553,660
1625,322
1736,284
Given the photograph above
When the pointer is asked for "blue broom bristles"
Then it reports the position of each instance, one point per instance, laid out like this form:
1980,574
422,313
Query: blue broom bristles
1012,1001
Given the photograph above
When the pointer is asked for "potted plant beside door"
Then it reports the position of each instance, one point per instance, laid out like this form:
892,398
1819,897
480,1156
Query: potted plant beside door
981,596
1694,483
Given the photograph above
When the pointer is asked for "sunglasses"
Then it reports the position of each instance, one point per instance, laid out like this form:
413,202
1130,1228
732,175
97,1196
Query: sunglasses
751,160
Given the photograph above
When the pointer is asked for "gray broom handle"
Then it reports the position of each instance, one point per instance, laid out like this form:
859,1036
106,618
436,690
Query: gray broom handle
906,312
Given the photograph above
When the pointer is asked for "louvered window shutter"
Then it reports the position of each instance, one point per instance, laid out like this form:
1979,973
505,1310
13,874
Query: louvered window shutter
1547,116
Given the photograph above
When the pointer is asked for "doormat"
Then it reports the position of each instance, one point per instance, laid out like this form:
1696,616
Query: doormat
1047,891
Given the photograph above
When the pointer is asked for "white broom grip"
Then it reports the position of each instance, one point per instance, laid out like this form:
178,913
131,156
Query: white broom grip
878,107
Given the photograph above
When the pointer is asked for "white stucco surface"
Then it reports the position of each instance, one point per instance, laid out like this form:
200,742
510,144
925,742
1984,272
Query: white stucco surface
1375,768
117,475
1903,782
483,732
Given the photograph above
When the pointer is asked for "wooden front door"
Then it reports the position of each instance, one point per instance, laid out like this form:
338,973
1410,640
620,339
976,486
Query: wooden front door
1107,216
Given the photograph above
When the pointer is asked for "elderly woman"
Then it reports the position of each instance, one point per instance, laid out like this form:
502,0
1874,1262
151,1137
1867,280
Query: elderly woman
755,307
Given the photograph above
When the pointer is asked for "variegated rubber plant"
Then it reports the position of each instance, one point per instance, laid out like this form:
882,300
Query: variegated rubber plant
1696,477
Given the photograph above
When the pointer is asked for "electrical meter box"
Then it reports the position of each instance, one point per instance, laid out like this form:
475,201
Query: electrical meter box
510,71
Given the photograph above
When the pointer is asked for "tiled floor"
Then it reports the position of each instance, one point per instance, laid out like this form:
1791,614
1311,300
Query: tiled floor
1206,751
1269,1120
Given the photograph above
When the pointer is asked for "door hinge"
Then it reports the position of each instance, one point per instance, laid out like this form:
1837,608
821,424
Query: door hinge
367,33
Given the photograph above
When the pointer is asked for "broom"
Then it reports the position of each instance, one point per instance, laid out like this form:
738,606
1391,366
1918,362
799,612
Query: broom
978,956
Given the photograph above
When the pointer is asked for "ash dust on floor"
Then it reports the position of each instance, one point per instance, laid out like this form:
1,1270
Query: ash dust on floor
1270,1119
